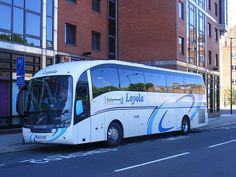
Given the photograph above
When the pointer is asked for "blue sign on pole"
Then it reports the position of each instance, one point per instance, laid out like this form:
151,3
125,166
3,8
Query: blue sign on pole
20,71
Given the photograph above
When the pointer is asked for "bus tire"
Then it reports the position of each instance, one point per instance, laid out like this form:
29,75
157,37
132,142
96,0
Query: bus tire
114,134
185,126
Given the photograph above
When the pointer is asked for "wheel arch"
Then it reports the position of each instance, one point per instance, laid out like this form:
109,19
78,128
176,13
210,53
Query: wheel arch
119,123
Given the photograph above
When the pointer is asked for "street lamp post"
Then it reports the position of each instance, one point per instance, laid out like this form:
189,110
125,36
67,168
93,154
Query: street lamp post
231,89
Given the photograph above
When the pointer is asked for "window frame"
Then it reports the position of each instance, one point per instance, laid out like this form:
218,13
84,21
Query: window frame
181,44
96,41
181,10
96,6
67,38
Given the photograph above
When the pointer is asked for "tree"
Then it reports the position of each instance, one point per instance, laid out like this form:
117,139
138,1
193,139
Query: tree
233,96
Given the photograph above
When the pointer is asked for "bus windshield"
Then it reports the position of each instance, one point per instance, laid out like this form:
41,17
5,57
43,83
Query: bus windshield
49,101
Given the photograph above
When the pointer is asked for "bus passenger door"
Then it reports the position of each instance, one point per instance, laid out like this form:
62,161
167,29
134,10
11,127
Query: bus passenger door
82,110
97,128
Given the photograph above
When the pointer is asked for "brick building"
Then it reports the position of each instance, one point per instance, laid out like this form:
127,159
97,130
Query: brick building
180,34
228,42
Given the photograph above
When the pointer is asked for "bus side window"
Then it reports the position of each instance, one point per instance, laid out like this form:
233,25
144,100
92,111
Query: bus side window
82,94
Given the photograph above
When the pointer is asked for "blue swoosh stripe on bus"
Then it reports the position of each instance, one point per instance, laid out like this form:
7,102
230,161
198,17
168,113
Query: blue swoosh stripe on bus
196,110
55,136
161,128
152,118
188,96
133,108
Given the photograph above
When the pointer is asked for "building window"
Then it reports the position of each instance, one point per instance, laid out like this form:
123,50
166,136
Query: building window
216,9
209,57
201,3
234,54
49,61
96,5
217,60
234,81
181,45
70,34
112,29
216,34
209,29
5,16
17,20
8,92
209,4
49,23
192,34
74,1
181,10
96,41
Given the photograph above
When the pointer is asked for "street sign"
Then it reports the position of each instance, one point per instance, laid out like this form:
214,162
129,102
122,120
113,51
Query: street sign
20,71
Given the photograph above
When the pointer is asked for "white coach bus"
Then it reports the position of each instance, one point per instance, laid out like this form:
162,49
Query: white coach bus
90,101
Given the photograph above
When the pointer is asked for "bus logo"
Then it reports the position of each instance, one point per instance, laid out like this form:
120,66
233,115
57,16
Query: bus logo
134,99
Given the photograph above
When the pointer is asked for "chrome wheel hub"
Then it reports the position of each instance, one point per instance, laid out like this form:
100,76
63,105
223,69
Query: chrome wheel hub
113,134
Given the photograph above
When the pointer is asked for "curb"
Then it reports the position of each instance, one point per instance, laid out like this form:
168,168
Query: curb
10,131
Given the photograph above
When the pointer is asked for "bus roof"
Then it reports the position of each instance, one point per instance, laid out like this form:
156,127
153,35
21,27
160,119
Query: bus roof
76,67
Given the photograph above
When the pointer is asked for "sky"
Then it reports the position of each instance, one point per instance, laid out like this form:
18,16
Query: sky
232,12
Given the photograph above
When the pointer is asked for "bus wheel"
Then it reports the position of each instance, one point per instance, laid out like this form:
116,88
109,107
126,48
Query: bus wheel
185,126
114,134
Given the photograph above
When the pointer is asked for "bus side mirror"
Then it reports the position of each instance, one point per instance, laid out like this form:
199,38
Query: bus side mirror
79,107
20,101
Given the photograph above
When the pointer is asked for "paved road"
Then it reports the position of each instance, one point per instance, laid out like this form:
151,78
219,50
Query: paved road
203,153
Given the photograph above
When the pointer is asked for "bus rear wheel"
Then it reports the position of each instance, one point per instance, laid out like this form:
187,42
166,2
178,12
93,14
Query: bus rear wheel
185,126
114,134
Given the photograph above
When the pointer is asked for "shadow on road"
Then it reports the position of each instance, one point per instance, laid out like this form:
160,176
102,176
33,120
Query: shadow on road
102,145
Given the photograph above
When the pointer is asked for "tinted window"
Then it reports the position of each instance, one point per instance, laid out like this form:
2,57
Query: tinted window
49,29
155,82
131,80
49,8
112,45
112,9
5,16
18,20
95,40
96,5
33,24
194,85
6,1
32,41
104,80
33,5
19,3
70,33
174,84
82,93
112,27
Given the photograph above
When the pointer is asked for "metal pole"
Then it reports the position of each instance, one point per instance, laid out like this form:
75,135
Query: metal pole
231,90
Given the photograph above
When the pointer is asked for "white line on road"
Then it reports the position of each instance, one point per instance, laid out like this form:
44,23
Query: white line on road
151,162
220,144
1,165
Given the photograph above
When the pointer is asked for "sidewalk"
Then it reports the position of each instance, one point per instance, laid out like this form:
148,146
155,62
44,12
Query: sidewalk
12,141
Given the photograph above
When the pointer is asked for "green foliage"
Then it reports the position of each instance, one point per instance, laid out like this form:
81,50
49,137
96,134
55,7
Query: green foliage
5,37
233,96
18,38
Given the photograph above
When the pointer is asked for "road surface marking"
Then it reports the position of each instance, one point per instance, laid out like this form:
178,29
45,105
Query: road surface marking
151,162
1,165
175,138
220,144
59,157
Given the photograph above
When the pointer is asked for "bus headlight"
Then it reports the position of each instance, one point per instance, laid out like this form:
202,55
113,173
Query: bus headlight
65,123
